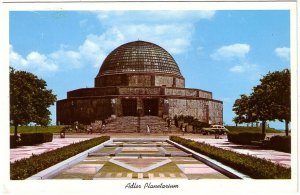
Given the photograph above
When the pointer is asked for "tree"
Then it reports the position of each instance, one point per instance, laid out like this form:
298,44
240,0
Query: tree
277,87
260,105
270,100
244,112
29,99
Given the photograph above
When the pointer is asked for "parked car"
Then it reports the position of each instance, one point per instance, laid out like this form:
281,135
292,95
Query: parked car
213,129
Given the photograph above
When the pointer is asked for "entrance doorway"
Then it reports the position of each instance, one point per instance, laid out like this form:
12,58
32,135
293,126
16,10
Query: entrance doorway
151,107
129,107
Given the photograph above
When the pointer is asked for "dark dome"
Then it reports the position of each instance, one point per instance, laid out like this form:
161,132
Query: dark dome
139,57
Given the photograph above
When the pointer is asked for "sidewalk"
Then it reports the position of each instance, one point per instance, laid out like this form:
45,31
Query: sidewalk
27,151
281,158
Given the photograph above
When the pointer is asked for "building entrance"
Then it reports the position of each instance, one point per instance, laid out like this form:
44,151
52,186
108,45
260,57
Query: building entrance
151,107
129,107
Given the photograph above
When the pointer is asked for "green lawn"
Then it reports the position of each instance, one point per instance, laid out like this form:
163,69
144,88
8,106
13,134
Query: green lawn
234,129
38,129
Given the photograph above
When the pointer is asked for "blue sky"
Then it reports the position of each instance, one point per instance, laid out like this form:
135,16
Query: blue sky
225,52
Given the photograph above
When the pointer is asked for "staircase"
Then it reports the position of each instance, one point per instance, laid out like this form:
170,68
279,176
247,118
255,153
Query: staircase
130,124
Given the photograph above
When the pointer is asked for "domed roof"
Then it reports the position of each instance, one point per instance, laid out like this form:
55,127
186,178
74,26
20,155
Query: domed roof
139,57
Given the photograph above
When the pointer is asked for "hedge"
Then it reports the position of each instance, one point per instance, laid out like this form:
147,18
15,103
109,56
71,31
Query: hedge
254,167
280,143
13,142
244,138
25,168
29,139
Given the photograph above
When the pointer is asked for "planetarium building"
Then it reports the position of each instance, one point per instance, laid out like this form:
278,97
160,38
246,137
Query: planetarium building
138,79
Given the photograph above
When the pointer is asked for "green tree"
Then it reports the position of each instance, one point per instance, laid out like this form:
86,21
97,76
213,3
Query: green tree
277,88
244,112
29,99
260,103
270,100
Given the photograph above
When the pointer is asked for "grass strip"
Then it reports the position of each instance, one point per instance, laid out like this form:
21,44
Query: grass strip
27,167
256,168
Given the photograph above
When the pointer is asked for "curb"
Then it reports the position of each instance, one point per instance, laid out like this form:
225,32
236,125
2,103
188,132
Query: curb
228,171
51,171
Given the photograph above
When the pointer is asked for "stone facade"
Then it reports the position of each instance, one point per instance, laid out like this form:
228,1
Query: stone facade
149,84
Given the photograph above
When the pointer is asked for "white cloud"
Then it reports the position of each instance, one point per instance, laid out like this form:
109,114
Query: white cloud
245,67
34,61
238,50
237,69
152,17
283,52
170,29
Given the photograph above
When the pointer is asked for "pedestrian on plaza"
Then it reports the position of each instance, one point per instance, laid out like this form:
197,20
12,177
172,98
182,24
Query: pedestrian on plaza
183,129
103,128
169,122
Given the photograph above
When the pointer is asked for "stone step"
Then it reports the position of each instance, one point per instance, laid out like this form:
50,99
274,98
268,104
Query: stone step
131,124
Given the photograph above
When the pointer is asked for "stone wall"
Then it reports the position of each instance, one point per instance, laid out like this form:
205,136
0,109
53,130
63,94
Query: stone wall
188,92
139,91
216,112
203,110
85,111
139,80
181,92
111,80
180,83
205,94
88,92
163,80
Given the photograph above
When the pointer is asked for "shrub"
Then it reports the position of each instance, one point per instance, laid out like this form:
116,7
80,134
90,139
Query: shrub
244,138
24,168
254,167
13,142
280,143
241,129
197,125
28,139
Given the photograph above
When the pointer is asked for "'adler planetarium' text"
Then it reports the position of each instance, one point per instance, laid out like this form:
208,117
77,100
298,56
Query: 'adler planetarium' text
150,185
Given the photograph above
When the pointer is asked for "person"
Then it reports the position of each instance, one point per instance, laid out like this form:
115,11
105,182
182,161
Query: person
90,130
183,129
62,133
166,130
103,128
169,122
148,129
217,134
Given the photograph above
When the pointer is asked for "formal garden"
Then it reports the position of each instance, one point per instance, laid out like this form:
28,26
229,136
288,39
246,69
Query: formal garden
30,119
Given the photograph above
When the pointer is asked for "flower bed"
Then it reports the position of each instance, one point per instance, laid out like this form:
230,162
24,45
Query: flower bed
254,167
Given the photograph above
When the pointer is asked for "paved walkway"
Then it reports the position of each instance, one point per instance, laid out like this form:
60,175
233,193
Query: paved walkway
139,159
281,158
275,156
27,151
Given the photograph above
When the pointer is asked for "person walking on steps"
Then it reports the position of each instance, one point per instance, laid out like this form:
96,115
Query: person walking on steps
148,129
